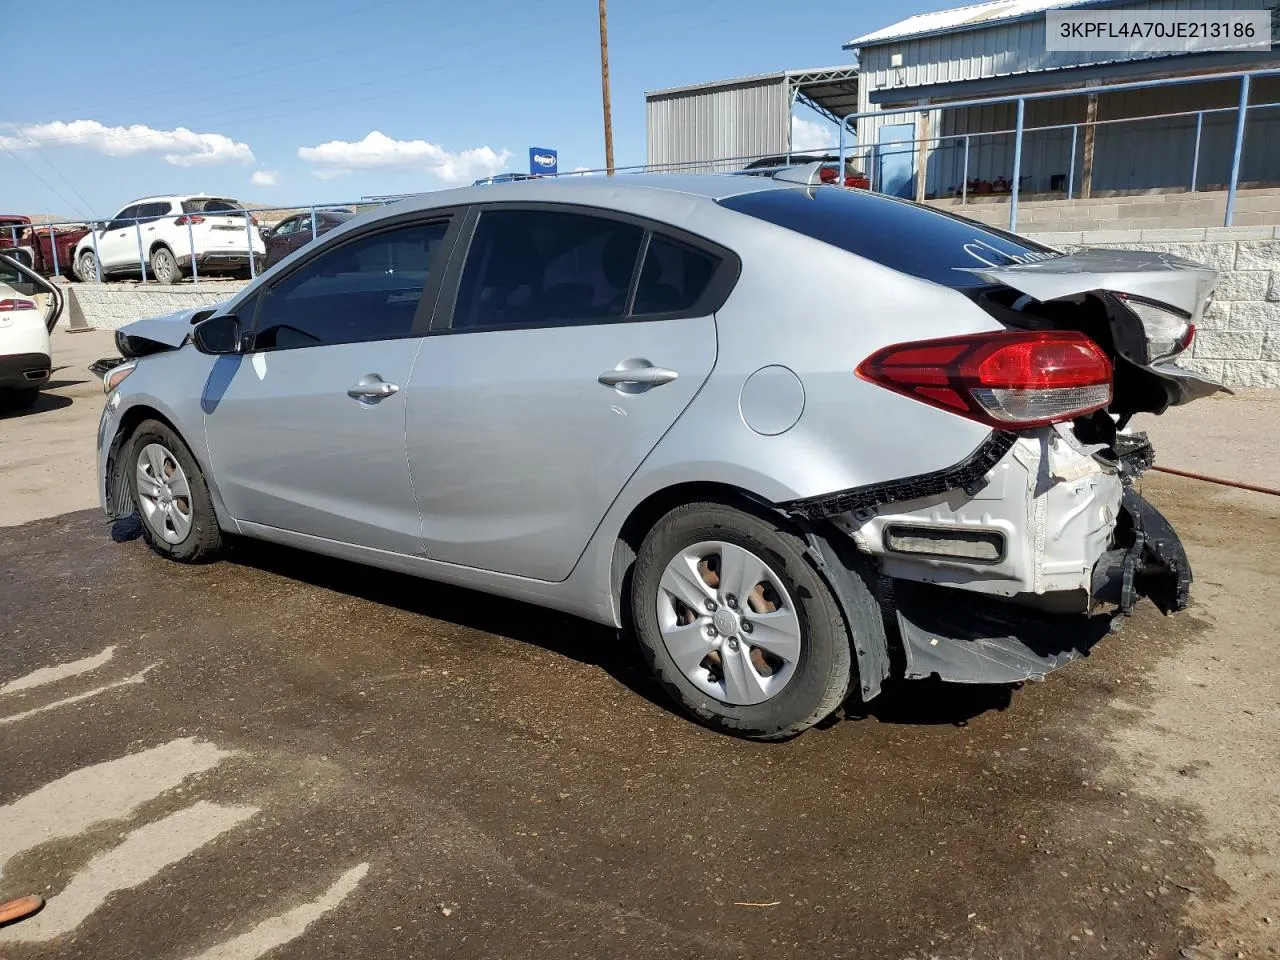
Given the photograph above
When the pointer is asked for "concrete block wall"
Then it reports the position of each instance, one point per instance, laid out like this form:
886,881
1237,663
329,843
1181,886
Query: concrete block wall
109,306
1238,340
1149,211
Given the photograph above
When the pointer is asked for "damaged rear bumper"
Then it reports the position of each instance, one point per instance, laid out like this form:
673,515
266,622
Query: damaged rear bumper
1013,561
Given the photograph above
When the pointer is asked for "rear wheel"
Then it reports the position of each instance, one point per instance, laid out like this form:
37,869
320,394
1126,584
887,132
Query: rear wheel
87,267
737,625
164,266
171,496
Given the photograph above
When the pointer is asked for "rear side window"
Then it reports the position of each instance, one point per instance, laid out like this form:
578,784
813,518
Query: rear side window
674,276
150,212
536,267
912,239
367,289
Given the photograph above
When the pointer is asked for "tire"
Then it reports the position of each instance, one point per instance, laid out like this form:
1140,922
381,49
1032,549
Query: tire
189,535
793,694
164,266
87,267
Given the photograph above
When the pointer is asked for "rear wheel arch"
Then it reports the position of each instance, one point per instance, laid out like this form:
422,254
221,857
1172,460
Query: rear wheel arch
850,576
646,514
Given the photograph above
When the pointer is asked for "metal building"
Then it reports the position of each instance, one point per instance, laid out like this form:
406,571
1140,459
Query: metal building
1171,137
721,125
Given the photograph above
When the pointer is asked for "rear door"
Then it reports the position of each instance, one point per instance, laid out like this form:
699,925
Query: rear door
550,375
306,431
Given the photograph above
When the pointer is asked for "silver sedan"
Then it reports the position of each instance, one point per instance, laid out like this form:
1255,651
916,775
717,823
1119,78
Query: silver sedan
795,439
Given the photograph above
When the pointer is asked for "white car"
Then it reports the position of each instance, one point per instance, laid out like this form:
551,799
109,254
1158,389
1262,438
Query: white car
29,309
165,233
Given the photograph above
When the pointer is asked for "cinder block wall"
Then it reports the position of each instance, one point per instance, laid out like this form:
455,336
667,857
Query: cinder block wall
1150,211
1238,340
109,306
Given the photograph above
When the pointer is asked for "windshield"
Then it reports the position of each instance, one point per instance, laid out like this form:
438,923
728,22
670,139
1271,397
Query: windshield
904,236
209,205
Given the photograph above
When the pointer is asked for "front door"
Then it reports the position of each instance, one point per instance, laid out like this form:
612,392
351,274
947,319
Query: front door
118,242
552,384
307,435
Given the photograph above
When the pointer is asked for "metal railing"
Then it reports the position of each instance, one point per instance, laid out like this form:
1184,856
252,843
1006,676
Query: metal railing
97,230
1020,129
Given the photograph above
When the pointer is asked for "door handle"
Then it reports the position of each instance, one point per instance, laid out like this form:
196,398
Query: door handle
639,373
371,389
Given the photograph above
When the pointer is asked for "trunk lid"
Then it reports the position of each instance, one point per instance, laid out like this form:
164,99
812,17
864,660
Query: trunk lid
1091,290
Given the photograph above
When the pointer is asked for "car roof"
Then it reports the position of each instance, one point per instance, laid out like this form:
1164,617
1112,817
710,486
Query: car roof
179,197
595,190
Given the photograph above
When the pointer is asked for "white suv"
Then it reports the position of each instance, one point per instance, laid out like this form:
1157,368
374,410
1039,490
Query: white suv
166,232
29,309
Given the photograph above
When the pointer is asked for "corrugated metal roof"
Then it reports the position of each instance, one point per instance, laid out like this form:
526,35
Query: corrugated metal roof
960,18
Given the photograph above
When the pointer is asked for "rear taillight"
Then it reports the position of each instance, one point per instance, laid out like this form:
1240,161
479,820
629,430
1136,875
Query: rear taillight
183,220
1010,379
827,175
1168,330
12,304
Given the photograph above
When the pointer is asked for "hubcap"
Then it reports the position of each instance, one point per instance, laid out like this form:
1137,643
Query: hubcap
728,622
164,496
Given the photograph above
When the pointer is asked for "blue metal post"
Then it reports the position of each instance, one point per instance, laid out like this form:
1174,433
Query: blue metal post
313,221
53,248
1071,169
97,260
248,239
1235,156
1017,166
842,167
1195,157
191,242
964,182
142,262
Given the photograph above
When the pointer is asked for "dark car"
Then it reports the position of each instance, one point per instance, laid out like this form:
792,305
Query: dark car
294,232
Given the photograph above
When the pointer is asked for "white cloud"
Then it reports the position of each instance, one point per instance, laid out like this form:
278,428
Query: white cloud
180,146
265,178
378,151
807,135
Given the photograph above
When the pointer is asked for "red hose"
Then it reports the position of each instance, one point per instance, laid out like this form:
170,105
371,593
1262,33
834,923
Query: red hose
1226,483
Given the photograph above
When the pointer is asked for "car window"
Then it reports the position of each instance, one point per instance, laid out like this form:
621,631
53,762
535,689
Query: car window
210,205
905,236
124,218
150,212
287,227
674,276
367,289
531,267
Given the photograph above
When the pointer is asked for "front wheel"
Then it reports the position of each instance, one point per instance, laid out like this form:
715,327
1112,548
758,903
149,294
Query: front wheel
736,623
171,496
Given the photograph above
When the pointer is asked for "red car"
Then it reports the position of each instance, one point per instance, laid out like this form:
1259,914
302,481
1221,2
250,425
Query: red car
33,247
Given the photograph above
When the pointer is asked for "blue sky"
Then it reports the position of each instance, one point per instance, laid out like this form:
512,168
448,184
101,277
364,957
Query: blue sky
288,101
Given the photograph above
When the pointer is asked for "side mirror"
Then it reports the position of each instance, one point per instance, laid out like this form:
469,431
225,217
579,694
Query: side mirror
217,335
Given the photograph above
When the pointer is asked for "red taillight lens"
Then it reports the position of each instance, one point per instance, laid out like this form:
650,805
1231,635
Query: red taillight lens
183,220
1010,379
11,304
826,175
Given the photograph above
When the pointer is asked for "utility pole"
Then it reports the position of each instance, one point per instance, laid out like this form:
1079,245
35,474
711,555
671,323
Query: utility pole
604,89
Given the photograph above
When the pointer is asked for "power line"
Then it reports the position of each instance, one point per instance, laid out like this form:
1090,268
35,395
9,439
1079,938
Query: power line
52,189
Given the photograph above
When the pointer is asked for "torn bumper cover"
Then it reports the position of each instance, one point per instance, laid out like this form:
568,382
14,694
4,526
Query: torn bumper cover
1044,540
967,638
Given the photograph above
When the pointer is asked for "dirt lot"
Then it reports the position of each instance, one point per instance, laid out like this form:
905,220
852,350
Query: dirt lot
289,753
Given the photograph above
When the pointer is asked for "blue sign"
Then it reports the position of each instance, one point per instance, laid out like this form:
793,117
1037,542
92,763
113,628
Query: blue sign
542,160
